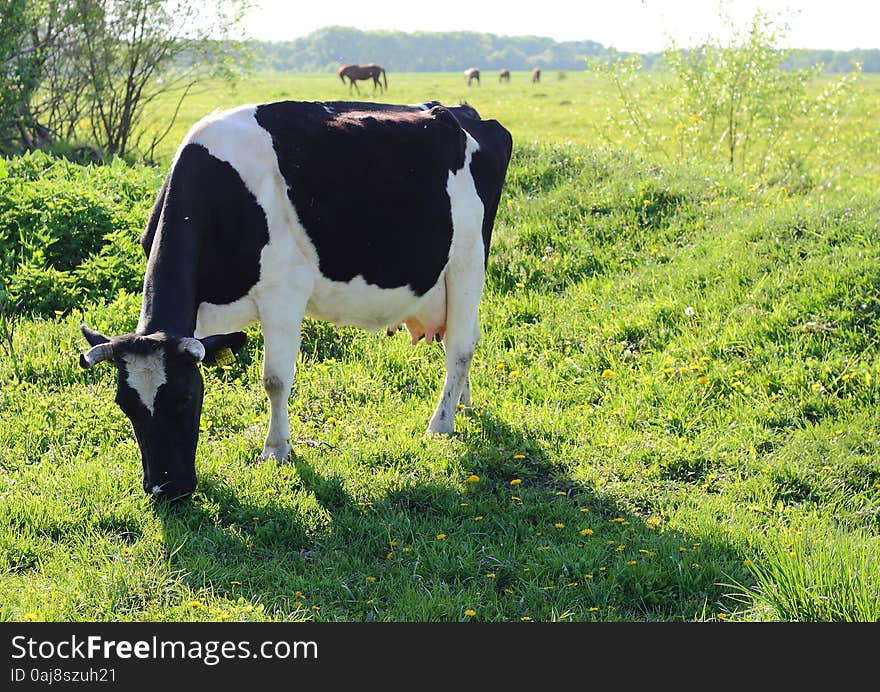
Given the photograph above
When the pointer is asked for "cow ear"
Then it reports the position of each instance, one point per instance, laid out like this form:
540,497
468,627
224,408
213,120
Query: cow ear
221,347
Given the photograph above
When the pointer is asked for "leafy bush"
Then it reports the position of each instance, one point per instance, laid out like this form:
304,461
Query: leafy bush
69,233
734,104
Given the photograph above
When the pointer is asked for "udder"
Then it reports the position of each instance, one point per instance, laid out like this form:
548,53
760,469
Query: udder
429,320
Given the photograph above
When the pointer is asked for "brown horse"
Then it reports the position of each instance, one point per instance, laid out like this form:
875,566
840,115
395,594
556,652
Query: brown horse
472,73
536,75
356,72
504,75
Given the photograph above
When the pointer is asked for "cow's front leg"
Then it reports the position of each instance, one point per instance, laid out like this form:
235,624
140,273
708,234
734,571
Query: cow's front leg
282,335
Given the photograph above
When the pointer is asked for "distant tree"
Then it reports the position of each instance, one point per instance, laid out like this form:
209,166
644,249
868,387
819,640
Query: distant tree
136,51
18,68
99,64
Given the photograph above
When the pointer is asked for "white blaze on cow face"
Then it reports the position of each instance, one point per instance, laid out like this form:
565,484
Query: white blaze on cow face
145,374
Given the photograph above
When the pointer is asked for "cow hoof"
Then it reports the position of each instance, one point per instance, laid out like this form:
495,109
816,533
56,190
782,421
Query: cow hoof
439,430
280,452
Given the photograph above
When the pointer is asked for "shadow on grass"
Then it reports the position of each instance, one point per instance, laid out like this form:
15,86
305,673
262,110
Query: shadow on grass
520,538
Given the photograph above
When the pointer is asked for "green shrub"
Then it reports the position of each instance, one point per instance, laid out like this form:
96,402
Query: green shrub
70,232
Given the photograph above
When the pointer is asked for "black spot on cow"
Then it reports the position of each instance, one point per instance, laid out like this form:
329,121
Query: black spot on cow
352,173
211,223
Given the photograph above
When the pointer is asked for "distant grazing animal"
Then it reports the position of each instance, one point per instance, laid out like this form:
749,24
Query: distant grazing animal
268,215
536,74
363,72
504,75
472,73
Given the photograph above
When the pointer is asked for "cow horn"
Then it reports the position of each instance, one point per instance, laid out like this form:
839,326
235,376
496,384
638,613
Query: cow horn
95,355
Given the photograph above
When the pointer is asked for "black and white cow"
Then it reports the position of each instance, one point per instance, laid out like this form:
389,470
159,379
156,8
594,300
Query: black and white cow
354,213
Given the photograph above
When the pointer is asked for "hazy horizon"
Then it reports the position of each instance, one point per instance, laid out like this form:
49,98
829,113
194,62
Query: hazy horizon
627,25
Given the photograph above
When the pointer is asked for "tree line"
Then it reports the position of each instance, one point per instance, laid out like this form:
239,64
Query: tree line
326,49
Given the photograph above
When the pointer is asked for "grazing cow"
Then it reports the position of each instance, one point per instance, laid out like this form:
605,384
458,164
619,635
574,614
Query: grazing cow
363,72
267,215
536,75
504,75
472,73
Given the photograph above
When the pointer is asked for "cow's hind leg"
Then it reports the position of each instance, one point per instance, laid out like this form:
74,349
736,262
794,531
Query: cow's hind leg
464,289
282,335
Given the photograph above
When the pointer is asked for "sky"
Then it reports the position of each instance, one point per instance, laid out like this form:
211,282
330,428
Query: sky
627,25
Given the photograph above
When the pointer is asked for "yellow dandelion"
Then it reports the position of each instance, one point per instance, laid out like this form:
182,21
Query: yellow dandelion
652,522
235,583
473,478
501,366
592,609
747,563
588,576
561,492
559,525
520,285
515,498
441,536
371,579
490,575
608,373
632,562
515,481
390,555
702,379
196,604
332,420
29,617
586,532
519,456
513,373
525,618
300,594
722,616
470,612
393,544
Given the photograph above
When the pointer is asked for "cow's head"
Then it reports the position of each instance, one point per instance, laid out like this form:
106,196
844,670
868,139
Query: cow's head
159,387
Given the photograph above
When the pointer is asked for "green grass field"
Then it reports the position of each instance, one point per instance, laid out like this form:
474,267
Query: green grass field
675,413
